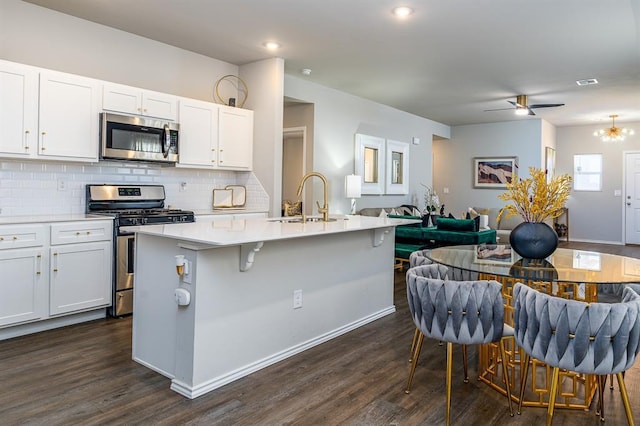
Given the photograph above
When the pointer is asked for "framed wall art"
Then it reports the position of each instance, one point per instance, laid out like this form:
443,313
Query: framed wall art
397,181
370,163
494,172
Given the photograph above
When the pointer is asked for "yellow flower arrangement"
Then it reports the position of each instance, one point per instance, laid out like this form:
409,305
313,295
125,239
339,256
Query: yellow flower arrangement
534,198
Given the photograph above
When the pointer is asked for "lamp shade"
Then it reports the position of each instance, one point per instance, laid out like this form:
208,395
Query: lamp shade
353,186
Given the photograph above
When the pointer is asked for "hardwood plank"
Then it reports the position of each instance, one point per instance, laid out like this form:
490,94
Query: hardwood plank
83,374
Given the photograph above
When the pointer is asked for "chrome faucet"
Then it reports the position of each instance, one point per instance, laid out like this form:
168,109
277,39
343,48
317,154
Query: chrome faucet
324,209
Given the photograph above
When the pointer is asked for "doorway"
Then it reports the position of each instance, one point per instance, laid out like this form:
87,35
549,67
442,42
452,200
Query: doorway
294,153
632,197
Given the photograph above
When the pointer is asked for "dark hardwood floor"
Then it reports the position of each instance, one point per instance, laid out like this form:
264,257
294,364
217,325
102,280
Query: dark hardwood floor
84,375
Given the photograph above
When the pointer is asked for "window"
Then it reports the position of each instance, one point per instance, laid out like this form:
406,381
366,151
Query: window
587,172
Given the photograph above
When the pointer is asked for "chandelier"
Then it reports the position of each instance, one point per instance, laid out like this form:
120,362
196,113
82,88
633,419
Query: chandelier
613,133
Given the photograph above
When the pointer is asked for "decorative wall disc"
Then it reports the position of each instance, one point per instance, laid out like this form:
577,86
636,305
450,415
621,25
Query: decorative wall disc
231,90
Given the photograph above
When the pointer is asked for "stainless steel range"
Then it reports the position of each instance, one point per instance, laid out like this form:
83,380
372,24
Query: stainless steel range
132,206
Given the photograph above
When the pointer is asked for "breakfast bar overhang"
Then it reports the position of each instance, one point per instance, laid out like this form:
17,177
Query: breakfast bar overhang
240,281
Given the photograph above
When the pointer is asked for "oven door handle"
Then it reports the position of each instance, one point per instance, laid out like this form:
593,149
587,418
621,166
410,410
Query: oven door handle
167,141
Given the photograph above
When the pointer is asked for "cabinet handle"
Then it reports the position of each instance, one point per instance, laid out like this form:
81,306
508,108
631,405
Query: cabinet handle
15,238
88,232
145,110
77,232
55,262
26,139
139,109
42,148
39,257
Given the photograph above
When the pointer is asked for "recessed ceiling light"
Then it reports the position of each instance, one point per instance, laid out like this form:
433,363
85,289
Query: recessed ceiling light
402,11
305,71
587,82
271,45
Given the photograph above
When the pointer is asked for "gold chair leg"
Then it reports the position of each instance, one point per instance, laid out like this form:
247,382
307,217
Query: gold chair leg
416,335
625,398
465,364
601,382
503,354
611,382
414,362
552,394
523,381
449,368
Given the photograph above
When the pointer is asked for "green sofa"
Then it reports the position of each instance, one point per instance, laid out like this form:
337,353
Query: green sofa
447,232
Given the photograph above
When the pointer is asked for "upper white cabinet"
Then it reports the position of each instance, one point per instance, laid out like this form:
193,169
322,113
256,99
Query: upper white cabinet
215,136
18,110
68,117
198,133
132,100
235,138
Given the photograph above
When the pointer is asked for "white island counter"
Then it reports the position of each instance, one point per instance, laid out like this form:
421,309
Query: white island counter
244,278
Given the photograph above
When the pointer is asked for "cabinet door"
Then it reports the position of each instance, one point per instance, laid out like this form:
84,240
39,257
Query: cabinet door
119,98
235,142
23,286
80,277
69,117
18,110
198,133
160,105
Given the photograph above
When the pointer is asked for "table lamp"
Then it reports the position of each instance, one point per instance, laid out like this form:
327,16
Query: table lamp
353,189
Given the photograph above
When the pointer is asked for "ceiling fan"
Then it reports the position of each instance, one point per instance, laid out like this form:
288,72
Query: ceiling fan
522,108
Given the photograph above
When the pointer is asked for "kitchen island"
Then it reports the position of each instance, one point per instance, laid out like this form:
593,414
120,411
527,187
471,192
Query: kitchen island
254,292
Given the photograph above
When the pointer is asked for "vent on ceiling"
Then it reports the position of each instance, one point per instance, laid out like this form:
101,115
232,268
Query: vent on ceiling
587,82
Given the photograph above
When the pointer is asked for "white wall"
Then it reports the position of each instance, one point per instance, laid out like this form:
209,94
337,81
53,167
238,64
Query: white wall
596,216
338,117
454,159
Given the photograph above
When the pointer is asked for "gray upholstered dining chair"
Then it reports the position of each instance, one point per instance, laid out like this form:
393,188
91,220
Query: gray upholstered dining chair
587,338
463,312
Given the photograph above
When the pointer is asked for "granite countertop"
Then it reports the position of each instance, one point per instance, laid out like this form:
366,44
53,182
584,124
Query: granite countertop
228,232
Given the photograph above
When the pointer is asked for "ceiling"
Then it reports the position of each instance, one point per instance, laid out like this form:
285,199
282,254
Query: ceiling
449,61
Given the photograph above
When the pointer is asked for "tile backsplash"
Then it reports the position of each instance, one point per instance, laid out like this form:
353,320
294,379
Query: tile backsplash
43,188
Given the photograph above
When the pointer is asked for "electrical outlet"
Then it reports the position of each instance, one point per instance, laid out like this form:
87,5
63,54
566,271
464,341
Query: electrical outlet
297,299
62,185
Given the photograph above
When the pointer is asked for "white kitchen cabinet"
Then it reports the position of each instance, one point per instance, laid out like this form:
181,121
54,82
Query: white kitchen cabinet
68,117
215,136
18,110
80,277
132,100
23,272
235,138
80,266
198,133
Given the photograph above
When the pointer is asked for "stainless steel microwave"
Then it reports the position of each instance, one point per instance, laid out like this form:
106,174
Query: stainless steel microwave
126,137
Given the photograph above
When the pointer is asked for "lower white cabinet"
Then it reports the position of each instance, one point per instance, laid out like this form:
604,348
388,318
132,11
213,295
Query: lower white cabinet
80,277
24,287
49,270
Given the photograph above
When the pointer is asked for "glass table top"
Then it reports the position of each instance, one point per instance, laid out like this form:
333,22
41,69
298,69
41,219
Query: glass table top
564,265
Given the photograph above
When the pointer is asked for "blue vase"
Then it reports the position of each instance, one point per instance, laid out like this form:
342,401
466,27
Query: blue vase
533,240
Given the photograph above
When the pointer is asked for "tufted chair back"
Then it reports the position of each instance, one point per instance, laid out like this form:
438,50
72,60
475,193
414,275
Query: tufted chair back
419,258
590,338
466,312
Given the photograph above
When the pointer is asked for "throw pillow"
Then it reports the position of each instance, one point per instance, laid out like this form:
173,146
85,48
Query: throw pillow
415,212
448,224
383,213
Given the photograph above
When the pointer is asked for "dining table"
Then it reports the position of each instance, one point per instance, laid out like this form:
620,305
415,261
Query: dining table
585,275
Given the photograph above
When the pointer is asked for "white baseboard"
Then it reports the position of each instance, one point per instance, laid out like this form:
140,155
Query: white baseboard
580,240
51,323
202,388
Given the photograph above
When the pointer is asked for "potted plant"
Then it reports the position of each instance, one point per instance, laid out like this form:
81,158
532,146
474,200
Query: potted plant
535,199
